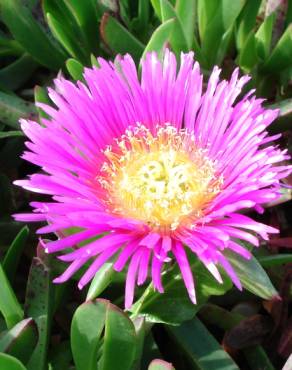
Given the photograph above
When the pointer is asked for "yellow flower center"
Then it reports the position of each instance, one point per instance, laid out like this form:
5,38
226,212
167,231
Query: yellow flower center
164,179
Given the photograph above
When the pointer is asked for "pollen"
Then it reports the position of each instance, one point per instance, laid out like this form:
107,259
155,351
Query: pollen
164,179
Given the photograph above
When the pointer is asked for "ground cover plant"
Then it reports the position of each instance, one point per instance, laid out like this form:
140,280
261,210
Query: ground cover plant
145,203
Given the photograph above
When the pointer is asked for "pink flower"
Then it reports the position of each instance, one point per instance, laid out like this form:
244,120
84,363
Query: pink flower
157,165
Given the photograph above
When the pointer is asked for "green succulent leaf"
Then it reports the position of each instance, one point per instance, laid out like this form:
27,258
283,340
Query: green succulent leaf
85,13
7,134
204,352
39,304
9,305
177,40
14,252
281,56
179,307
65,37
252,276
264,36
75,69
101,281
119,39
88,345
248,54
12,108
247,21
20,340
160,37
10,363
41,96
215,19
30,35
17,73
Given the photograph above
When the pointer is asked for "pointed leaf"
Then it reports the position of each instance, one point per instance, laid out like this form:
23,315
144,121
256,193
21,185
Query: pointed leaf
281,56
186,13
21,340
252,276
85,337
247,21
17,73
264,36
9,305
160,37
10,363
118,38
5,134
204,351
13,254
13,108
119,337
179,307
66,38
75,69
18,18
38,304
100,281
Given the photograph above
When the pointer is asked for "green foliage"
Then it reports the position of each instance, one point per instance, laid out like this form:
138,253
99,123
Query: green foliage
204,352
90,347
179,307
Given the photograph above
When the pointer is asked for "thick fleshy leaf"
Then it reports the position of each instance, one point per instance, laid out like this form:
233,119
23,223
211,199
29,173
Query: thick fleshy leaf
101,280
13,108
178,40
248,54
160,37
264,36
18,18
20,340
118,38
203,350
246,21
215,18
252,276
186,12
41,96
116,350
283,122
9,305
66,38
85,13
38,304
14,75
8,362
75,69
13,254
6,134
281,56
160,365
179,307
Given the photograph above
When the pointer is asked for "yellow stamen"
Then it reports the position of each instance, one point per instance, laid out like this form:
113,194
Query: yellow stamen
164,180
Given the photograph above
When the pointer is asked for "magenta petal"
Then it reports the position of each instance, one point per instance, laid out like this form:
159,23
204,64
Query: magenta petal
186,272
131,278
229,270
96,265
93,135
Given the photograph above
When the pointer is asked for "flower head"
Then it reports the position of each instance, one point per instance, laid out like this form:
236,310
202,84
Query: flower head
156,165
